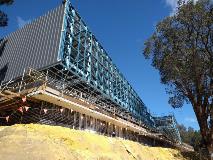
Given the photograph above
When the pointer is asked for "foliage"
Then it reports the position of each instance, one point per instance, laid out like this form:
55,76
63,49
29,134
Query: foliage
8,2
190,136
3,19
3,16
181,49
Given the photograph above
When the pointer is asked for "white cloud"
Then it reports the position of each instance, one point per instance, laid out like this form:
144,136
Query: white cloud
21,22
173,5
190,119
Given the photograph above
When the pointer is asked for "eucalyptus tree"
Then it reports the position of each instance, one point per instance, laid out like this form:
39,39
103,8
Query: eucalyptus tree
3,16
181,49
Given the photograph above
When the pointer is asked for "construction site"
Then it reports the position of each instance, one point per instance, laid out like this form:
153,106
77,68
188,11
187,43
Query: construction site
54,71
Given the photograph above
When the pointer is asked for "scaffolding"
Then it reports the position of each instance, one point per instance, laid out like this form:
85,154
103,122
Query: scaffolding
168,126
47,90
63,86
67,84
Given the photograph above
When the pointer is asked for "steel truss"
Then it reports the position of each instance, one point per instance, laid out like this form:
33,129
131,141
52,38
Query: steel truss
81,53
168,126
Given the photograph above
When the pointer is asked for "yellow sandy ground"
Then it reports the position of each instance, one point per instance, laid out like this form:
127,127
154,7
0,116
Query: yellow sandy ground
42,142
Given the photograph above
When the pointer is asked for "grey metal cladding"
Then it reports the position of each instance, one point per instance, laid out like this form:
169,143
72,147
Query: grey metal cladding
35,45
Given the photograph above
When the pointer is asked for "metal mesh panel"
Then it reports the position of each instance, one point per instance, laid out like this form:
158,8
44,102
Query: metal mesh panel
35,45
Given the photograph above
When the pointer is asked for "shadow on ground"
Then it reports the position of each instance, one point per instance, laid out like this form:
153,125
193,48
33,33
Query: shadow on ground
191,156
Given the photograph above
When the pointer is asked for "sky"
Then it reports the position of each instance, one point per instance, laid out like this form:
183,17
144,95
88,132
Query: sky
121,26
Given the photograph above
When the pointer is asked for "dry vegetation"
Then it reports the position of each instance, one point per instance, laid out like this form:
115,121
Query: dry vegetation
33,142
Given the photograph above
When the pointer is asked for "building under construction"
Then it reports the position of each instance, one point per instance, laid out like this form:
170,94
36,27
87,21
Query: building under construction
54,71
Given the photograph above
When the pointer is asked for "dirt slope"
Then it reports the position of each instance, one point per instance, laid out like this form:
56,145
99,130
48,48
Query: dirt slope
42,142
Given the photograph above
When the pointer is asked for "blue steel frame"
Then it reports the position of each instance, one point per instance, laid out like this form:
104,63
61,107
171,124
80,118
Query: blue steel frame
81,54
168,126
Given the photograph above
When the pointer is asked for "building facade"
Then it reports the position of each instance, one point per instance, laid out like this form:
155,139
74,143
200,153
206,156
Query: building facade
61,42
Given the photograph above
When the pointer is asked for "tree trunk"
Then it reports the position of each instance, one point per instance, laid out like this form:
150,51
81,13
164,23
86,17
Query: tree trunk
210,146
206,132
207,141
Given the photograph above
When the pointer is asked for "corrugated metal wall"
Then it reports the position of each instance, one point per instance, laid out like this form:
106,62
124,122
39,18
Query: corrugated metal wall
35,45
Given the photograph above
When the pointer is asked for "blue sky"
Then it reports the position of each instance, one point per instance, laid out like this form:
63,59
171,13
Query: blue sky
121,26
